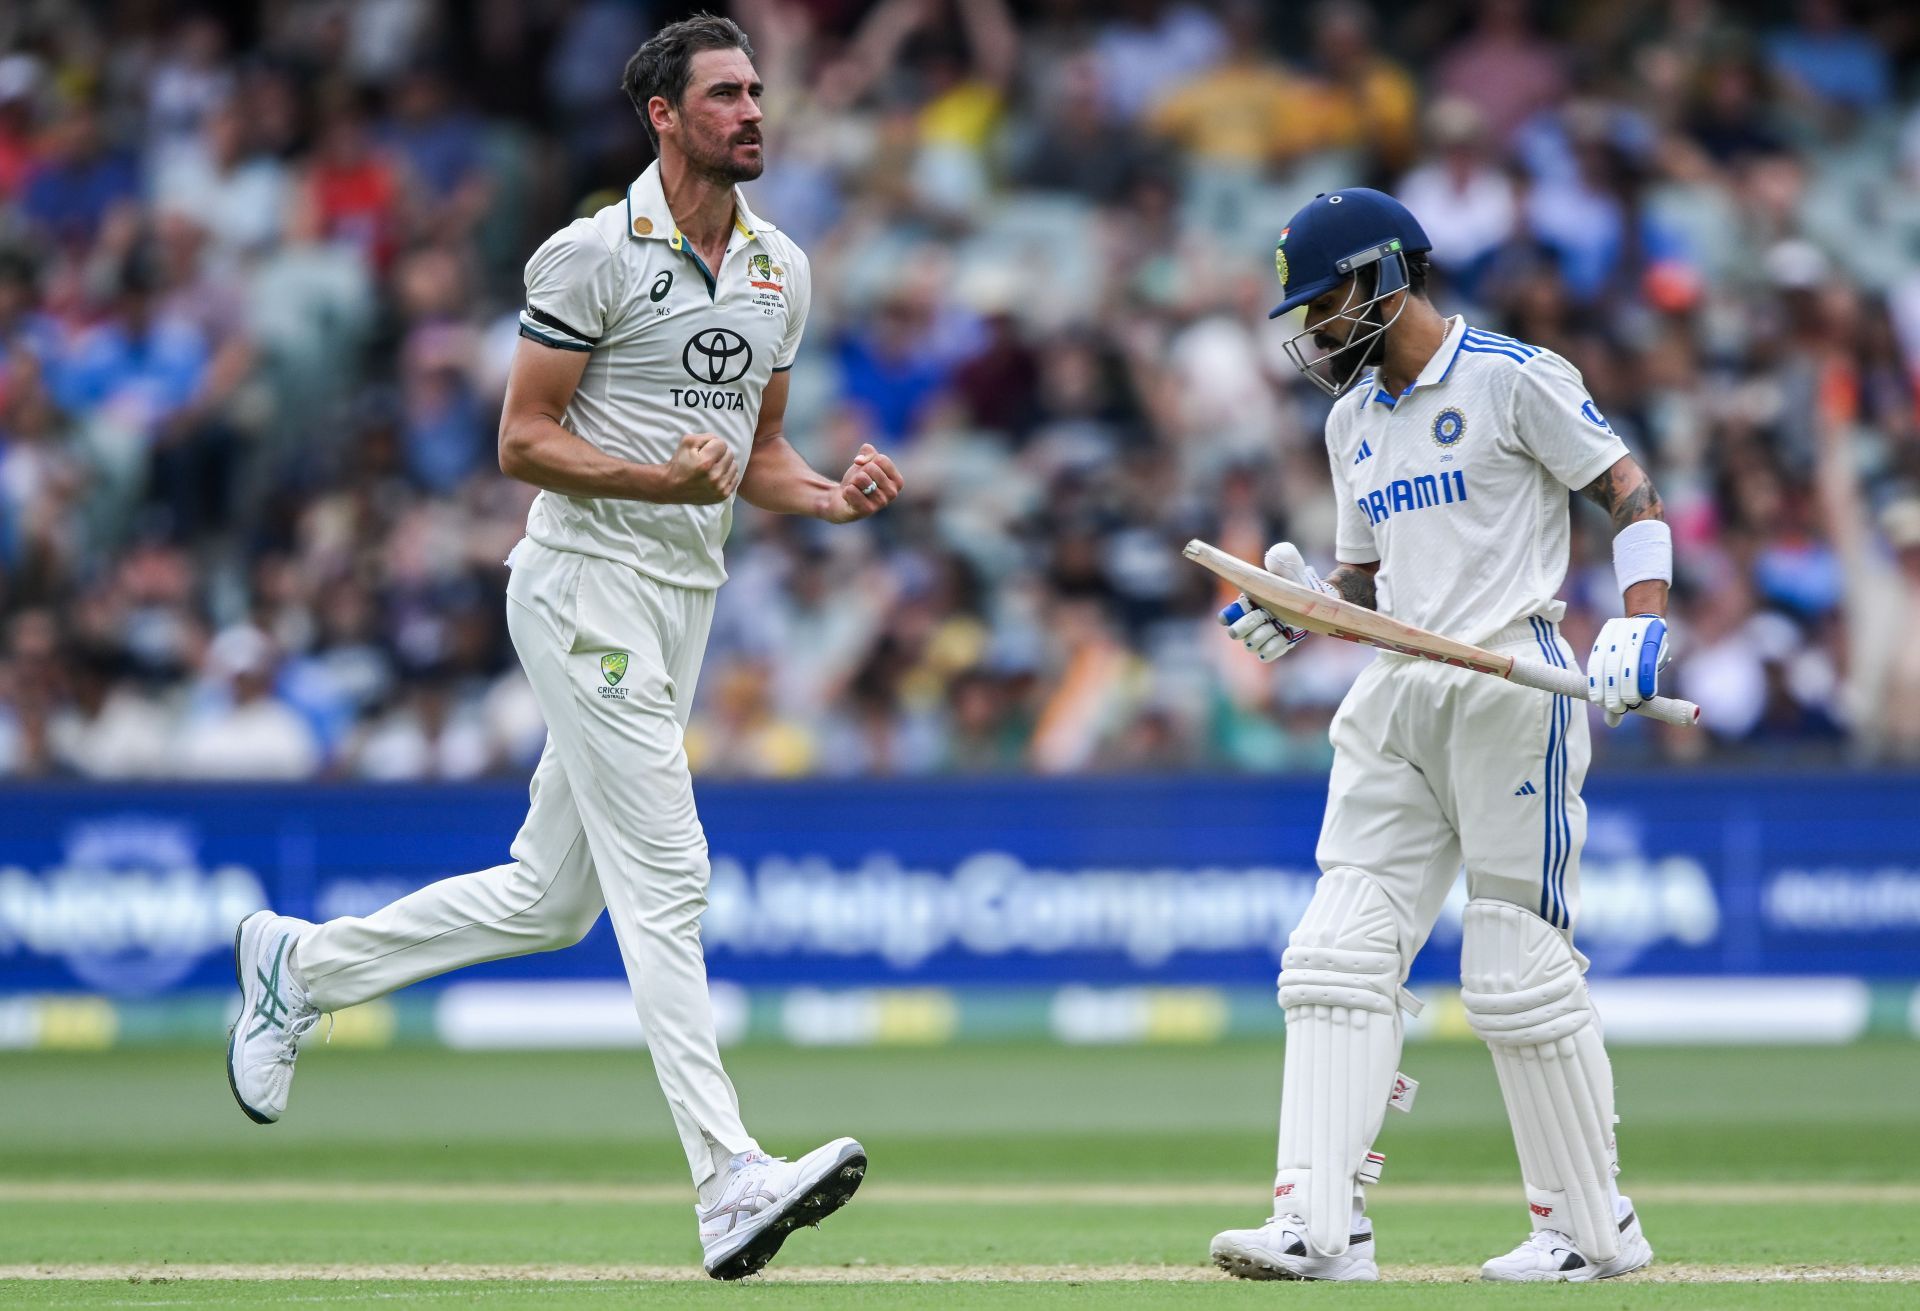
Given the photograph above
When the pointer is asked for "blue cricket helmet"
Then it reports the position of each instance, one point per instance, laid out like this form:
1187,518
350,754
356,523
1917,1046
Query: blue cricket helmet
1338,232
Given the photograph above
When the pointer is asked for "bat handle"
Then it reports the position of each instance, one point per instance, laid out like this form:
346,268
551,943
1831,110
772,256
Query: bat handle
1573,683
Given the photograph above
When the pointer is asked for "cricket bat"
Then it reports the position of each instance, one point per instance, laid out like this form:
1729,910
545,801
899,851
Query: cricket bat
1303,607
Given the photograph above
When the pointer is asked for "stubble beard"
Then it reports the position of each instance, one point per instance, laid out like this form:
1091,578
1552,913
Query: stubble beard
1348,358
718,165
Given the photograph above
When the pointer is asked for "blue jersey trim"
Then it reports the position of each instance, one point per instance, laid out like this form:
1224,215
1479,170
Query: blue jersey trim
1474,348
1486,338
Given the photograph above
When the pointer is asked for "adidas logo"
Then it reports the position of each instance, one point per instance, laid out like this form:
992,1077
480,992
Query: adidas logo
1365,451
1525,790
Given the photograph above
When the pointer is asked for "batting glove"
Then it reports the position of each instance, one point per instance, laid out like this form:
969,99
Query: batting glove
1624,667
1261,633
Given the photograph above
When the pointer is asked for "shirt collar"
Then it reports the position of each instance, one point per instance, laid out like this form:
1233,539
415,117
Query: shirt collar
649,219
1436,371
1442,362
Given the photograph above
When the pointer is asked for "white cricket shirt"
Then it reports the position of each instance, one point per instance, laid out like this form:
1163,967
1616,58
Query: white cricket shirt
676,348
1458,486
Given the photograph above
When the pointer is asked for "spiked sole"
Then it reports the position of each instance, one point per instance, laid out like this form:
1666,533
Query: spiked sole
1242,1264
1247,1267
233,1034
811,1205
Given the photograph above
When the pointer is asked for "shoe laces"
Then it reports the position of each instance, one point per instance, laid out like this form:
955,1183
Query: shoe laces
296,1030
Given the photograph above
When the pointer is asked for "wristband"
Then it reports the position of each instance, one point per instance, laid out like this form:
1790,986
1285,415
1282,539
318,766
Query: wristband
1643,552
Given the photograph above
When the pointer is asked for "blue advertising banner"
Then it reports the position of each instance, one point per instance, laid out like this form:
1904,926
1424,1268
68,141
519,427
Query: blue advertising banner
1018,882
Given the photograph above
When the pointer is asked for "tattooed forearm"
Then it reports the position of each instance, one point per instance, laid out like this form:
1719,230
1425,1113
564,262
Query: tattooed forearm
1353,584
1625,493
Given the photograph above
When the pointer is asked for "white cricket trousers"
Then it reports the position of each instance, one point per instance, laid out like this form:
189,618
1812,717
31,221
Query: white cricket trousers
613,656
1434,766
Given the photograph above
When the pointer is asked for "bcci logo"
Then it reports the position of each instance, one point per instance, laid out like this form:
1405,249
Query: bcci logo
1449,426
613,668
1280,257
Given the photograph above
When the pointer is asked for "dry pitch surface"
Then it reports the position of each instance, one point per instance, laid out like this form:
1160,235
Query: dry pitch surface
1004,1176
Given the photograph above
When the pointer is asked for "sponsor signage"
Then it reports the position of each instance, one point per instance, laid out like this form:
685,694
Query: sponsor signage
1018,882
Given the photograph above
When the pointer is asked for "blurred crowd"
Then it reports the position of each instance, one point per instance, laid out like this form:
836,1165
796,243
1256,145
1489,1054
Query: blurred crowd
259,269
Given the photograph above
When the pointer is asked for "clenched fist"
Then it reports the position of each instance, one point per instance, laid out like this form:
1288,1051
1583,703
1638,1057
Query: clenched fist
1261,633
702,471
868,486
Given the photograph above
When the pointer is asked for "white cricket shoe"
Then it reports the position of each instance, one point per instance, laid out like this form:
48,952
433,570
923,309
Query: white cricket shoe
1278,1250
274,1015
765,1198
1549,1256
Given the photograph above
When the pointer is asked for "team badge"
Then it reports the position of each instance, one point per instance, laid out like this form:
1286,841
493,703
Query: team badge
613,667
1449,426
761,275
1594,417
1280,257
643,226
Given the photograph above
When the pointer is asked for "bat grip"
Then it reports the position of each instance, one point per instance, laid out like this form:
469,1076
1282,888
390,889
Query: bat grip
1573,683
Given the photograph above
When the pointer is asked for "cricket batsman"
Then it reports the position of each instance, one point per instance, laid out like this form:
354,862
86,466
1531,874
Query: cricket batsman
1452,451
648,391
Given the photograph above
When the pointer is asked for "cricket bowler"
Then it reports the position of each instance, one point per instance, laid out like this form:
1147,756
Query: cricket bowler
1452,453
648,390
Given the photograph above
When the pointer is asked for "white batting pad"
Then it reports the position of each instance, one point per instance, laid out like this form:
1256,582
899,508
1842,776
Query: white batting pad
1340,977
1525,995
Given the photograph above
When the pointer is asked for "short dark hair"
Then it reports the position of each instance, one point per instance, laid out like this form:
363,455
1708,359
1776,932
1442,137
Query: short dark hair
1418,270
664,65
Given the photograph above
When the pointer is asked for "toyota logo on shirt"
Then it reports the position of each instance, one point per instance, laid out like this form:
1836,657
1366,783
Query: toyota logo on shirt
716,356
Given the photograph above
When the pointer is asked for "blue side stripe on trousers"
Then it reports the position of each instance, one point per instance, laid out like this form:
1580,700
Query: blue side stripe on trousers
1549,909
1563,716
1562,708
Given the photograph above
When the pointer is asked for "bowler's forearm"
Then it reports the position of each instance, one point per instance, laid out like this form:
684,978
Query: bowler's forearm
779,481
539,451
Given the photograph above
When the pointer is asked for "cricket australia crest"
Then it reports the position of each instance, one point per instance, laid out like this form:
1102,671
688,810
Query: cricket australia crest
768,282
613,668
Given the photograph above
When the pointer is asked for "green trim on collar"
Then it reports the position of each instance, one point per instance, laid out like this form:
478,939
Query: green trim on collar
685,247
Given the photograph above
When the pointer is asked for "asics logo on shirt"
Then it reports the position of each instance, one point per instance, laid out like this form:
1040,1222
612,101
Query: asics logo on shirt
1403,494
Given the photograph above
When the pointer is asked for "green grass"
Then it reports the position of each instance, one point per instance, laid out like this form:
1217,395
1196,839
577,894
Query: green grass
948,1297
1720,1141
